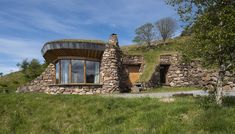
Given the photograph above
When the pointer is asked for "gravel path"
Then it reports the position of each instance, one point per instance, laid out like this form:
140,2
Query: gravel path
166,94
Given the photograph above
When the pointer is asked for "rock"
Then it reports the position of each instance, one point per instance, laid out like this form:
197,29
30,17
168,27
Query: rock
227,88
135,89
167,100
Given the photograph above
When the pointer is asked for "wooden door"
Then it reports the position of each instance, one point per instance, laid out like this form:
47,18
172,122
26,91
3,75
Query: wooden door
133,72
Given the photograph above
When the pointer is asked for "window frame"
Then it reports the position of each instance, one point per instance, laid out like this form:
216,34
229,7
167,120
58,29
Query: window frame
70,70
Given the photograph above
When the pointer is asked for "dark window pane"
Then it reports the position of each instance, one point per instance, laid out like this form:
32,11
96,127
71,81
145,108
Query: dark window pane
77,71
64,71
92,72
57,68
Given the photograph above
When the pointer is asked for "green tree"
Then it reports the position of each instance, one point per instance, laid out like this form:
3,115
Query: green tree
31,69
1,74
23,65
213,33
166,27
34,69
145,34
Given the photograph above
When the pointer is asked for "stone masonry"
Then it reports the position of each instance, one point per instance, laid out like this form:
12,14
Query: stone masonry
111,66
189,74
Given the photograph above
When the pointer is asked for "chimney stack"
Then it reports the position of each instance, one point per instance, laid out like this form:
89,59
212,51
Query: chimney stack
113,40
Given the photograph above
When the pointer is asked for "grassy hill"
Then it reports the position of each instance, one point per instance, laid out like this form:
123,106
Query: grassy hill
152,55
11,81
41,113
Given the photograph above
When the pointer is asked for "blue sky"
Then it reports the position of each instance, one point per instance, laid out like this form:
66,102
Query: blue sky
25,25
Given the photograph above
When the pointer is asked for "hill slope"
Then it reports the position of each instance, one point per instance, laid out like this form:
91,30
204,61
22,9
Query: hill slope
11,81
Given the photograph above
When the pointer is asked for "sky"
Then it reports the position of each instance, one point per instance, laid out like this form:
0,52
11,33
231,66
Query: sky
25,25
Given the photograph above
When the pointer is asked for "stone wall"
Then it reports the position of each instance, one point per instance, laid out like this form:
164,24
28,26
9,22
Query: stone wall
40,84
190,74
111,66
133,60
128,60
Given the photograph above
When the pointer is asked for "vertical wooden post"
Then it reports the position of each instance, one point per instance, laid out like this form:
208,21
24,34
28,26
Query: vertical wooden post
85,71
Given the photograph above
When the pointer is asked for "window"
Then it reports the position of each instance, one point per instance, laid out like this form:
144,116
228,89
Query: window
64,71
57,66
77,71
92,72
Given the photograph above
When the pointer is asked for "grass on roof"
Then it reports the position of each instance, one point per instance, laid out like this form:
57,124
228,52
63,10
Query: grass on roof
152,56
77,40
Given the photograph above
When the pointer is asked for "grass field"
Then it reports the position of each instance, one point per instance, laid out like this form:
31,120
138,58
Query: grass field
41,113
171,89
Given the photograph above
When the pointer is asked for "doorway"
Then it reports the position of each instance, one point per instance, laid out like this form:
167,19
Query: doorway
133,73
163,74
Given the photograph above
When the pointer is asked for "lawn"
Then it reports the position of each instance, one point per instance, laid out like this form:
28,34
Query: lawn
41,113
171,89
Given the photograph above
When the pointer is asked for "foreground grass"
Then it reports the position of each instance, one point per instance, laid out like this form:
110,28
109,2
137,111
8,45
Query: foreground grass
171,89
41,113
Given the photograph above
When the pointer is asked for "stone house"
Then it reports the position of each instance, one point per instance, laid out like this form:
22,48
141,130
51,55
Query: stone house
86,67
96,67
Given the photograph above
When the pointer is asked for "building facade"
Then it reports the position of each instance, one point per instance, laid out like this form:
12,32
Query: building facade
86,67
97,67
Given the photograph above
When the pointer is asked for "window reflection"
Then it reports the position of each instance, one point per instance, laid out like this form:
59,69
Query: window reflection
92,72
77,71
57,68
64,71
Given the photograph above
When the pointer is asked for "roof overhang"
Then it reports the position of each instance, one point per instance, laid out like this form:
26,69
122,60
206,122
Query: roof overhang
90,49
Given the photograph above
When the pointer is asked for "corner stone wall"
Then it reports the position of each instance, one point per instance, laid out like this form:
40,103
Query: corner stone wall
40,84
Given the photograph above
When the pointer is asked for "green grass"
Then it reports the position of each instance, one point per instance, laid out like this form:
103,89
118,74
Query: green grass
152,56
41,113
171,89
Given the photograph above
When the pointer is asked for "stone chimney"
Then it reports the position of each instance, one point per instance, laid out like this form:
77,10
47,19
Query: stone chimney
110,66
113,40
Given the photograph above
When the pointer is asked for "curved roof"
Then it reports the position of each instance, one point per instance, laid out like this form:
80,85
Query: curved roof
73,47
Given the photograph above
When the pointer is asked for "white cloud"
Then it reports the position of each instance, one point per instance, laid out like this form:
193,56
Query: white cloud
20,48
6,69
14,50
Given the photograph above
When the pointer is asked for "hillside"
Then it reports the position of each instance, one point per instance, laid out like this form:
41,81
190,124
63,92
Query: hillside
11,81
151,56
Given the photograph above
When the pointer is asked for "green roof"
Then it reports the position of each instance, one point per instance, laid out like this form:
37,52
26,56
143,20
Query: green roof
77,40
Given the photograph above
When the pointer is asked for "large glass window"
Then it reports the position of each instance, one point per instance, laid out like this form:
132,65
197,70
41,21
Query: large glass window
77,71
64,71
92,72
